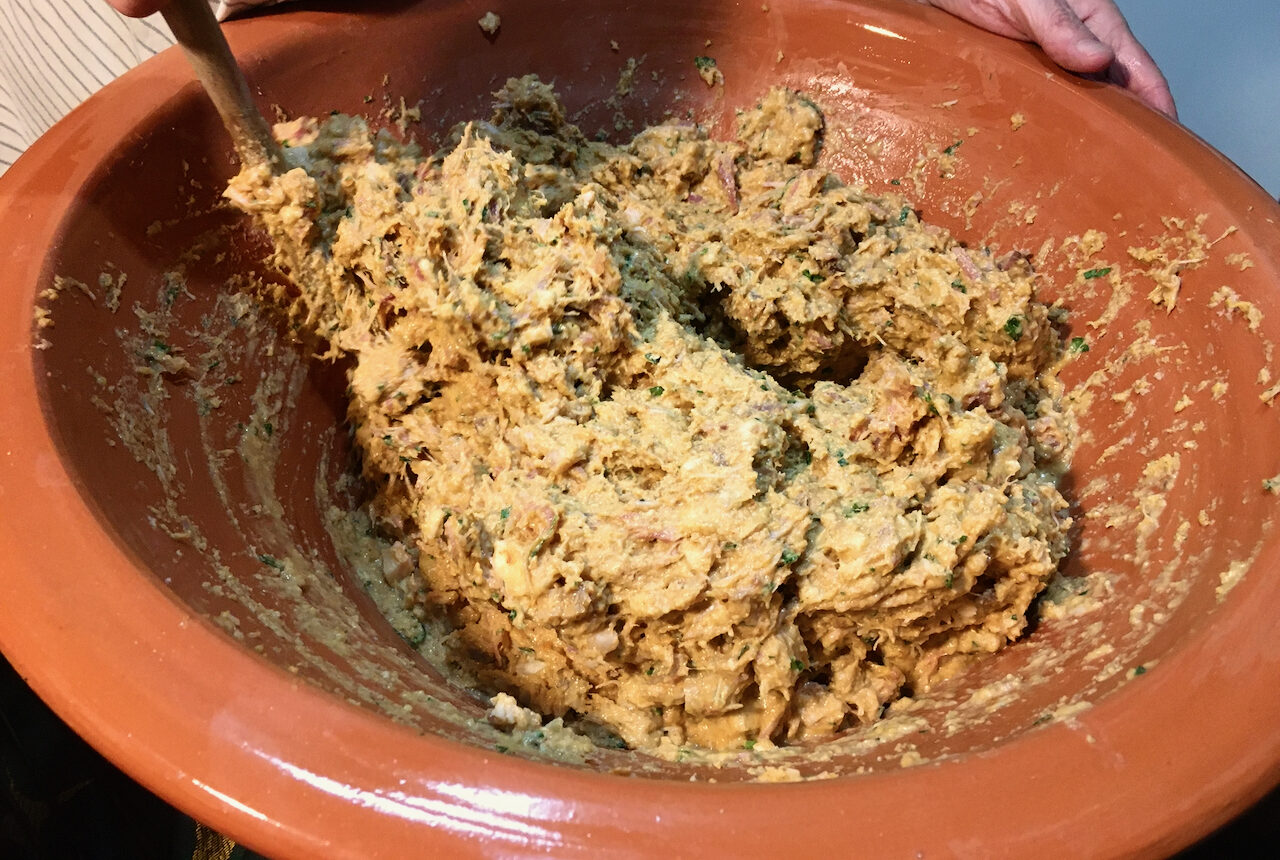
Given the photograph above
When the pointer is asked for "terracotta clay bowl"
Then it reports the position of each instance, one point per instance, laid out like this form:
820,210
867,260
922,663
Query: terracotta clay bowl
144,594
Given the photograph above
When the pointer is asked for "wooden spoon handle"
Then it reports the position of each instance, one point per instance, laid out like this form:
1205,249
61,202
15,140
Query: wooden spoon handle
197,31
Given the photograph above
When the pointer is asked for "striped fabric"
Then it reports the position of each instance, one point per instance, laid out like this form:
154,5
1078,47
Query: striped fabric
56,53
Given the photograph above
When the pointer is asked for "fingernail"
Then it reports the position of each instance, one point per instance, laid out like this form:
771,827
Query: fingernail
1093,47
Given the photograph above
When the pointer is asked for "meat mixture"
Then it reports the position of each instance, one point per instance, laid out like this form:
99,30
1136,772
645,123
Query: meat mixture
687,438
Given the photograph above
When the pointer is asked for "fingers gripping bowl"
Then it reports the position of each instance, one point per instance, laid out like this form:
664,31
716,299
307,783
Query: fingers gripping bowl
174,586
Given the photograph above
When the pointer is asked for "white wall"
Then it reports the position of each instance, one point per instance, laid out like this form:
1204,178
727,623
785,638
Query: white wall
1222,59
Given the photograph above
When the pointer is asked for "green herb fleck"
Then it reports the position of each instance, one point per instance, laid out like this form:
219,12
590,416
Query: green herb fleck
271,561
504,513
1078,345
702,64
651,358
904,214
951,577
749,744
923,394
1097,273
1139,670
951,150
856,508
797,665
656,391
1013,327
958,284
816,278
789,556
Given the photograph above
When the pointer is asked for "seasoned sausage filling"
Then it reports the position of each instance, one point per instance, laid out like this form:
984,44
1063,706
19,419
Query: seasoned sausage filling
686,437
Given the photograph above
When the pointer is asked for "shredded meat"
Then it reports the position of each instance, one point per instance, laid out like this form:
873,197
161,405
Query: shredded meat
692,440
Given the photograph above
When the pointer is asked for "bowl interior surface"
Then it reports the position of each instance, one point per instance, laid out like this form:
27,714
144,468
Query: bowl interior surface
192,513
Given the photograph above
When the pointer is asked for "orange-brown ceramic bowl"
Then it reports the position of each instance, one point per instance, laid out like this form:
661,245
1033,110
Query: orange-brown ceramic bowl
137,594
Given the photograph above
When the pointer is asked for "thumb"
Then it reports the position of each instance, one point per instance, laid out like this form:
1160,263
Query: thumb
1065,38
137,8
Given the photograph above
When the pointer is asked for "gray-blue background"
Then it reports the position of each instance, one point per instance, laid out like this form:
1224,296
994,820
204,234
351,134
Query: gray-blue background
1222,59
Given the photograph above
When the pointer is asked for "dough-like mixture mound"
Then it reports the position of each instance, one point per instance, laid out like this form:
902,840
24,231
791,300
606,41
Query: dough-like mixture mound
687,438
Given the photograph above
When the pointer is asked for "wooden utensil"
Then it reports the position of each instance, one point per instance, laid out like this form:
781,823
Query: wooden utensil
197,31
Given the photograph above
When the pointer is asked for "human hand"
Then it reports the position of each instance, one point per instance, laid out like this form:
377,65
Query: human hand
137,8
1086,36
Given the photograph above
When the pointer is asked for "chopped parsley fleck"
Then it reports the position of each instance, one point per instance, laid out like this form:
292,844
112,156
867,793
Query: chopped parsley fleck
961,539
789,556
1078,345
651,358
656,391
923,394
904,214
702,64
951,577
749,744
1139,670
1097,273
814,277
797,665
856,508
1013,327
504,513
271,561
841,458
958,284
951,150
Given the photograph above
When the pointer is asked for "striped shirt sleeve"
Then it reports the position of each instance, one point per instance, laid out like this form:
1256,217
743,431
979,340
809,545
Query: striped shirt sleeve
56,53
